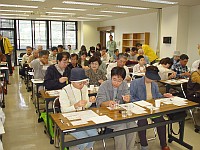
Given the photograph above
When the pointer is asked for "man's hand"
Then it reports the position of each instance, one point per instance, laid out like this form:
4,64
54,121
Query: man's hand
63,79
80,103
126,98
92,99
168,95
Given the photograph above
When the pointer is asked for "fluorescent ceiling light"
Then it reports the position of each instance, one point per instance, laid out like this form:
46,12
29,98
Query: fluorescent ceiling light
54,16
77,20
86,18
77,9
35,0
131,7
99,15
114,12
81,3
13,15
48,19
6,17
22,11
20,6
60,13
161,1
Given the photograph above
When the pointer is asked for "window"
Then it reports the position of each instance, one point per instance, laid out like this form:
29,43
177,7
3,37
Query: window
56,33
6,23
70,34
40,35
24,34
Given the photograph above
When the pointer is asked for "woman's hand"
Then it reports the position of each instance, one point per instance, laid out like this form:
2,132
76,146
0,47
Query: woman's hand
168,95
92,99
126,98
63,79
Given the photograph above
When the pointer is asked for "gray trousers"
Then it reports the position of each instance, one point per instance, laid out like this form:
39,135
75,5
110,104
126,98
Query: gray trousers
127,141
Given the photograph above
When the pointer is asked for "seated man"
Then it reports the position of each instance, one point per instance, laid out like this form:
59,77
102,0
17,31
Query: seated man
176,57
53,55
180,68
34,56
60,48
193,86
57,75
121,61
116,53
149,90
113,89
74,61
74,97
141,53
140,67
133,54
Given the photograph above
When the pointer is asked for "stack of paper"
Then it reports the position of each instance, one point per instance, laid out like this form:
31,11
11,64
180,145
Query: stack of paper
178,101
54,92
79,122
101,119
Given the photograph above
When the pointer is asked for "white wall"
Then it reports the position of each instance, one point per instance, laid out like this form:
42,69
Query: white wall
193,33
134,24
169,25
89,34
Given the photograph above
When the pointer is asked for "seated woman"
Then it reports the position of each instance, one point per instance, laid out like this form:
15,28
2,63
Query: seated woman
114,89
193,86
57,75
75,96
150,91
104,55
96,76
164,72
83,62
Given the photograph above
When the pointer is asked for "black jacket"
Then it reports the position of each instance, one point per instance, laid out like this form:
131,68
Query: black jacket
51,79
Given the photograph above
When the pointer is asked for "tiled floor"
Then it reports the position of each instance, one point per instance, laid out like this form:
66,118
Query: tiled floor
23,132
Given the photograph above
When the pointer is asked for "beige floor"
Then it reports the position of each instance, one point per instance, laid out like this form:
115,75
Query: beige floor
23,132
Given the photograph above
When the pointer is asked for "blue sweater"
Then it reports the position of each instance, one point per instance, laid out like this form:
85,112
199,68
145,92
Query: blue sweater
138,90
51,79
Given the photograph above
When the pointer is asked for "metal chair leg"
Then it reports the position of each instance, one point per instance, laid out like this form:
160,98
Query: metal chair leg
194,121
104,144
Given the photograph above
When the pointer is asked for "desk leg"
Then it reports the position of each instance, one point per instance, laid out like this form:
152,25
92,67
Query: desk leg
47,117
181,136
62,136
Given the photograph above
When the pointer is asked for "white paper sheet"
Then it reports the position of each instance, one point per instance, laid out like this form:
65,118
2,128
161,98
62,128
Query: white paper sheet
54,92
143,103
134,108
79,122
83,115
101,119
178,101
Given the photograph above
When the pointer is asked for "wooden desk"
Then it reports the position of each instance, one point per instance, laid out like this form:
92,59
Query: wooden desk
173,82
66,127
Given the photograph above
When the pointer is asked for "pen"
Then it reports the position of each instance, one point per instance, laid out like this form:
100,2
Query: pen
61,121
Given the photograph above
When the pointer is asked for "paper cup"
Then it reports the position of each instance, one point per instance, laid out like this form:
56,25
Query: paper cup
157,103
92,87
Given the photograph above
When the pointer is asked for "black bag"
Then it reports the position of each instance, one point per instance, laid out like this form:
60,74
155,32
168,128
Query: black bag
177,116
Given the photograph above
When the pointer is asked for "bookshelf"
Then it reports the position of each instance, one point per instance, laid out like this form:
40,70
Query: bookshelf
130,39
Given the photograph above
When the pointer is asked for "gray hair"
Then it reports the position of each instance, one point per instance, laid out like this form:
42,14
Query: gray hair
122,55
140,51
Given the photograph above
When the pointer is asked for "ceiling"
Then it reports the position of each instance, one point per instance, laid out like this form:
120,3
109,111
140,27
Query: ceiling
41,13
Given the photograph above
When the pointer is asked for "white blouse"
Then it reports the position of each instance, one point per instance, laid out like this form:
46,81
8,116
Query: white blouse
163,72
71,95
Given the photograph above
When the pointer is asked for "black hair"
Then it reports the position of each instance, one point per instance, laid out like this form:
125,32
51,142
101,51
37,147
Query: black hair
83,48
184,56
134,49
152,68
54,48
27,47
69,45
92,48
127,50
138,44
43,52
98,44
116,50
118,71
62,55
97,54
165,61
122,55
60,46
111,35
93,59
73,55
84,53
140,57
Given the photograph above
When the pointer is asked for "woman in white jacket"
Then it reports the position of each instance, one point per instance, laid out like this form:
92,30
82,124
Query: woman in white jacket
74,97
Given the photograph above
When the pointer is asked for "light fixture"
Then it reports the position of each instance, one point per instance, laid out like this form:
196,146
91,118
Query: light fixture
77,20
6,17
60,13
76,9
47,19
14,15
20,6
161,1
22,11
53,16
113,12
81,3
86,18
99,15
131,7
35,0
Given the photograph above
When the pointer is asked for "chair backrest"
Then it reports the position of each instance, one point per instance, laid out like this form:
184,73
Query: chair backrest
56,106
